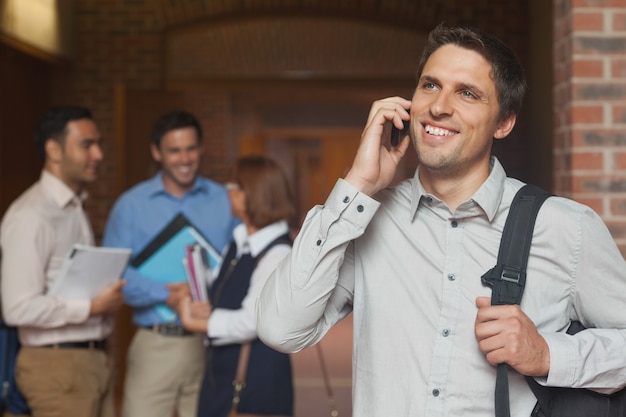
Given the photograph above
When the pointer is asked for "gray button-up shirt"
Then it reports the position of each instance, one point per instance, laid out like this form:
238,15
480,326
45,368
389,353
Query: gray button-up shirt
410,271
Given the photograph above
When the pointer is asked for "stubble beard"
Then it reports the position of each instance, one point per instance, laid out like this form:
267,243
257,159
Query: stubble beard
438,162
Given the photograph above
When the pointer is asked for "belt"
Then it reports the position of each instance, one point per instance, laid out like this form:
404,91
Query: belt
90,344
168,329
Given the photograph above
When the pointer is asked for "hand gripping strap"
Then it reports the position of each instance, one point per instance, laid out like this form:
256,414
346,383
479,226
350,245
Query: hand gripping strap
508,277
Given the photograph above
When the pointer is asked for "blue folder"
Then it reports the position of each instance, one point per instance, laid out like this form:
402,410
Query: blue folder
162,258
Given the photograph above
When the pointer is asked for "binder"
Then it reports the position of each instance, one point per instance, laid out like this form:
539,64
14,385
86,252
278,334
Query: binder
162,258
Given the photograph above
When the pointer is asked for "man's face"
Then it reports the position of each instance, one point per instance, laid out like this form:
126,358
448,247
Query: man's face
179,156
79,154
454,113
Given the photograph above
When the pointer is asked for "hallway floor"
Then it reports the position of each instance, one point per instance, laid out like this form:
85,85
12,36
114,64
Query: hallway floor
310,392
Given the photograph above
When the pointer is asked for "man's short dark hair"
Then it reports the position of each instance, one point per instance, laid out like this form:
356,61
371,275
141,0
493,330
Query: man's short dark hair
176,119
507,72
53,124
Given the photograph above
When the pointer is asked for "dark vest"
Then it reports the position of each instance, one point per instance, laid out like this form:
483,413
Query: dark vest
233,280
269,387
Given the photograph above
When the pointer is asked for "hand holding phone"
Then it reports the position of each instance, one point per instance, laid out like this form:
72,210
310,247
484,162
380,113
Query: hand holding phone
397,135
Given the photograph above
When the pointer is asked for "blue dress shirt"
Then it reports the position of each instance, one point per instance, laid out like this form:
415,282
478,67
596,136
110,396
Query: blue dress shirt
142,212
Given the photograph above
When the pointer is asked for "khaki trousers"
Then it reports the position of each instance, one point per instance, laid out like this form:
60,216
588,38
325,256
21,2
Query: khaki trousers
65,382
163,374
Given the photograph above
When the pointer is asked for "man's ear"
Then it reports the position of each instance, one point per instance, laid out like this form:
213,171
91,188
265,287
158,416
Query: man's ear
156,153
505,126
54,150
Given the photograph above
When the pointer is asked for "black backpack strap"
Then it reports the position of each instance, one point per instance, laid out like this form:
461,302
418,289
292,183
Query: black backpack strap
508,278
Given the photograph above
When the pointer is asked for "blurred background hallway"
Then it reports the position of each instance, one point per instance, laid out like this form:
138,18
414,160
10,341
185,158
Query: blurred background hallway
311,393
294,80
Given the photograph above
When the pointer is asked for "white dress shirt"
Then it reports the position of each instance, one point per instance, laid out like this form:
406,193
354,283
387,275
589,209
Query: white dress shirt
410,270
37,232
237,326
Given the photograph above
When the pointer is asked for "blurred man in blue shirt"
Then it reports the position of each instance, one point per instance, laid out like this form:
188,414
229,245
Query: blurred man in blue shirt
165,362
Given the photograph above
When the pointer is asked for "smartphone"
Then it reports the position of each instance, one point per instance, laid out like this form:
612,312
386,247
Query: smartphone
397,134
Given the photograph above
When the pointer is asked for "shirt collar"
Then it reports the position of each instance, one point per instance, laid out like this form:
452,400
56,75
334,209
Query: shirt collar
255,243
487,197
59,191
157,187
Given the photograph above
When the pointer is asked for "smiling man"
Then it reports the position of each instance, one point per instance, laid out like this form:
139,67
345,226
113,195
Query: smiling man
165,362
63,368
408,260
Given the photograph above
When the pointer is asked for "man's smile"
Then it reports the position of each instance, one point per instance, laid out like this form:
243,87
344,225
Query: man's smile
438,131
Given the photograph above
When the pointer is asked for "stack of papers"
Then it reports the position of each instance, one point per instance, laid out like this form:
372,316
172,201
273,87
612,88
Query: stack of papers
87,270
198,271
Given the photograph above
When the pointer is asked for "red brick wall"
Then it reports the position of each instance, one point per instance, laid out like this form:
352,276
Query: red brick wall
116,41
590,107
213,111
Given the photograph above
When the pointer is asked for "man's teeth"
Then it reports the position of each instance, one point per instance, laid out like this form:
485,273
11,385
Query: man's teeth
437,131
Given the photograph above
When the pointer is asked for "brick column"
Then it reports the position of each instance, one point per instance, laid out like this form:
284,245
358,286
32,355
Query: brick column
117,41
213,110
590,107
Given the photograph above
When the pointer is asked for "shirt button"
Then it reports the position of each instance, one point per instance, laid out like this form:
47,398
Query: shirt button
454,223
319,242
451,277
346,199
429,199
359,208
445,332
436,392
